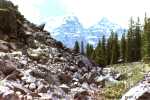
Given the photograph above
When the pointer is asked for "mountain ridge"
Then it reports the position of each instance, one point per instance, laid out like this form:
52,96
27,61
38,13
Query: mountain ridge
72,30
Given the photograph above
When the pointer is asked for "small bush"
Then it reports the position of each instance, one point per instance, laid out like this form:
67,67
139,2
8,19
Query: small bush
114,91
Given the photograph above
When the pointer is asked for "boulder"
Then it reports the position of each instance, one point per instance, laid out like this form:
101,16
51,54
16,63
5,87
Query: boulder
13,46
19,87
65,87
7,66
65,78
81,96
41,27
42,89
145,96
38,54
4,47
32,86
10,96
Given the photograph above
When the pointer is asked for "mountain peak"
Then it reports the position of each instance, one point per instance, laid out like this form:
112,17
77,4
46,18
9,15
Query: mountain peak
104,20
71,19
72,30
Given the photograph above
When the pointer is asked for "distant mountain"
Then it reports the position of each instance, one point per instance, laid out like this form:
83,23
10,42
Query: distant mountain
71,30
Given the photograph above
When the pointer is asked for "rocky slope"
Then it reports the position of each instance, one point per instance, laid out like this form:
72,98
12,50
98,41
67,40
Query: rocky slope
33,65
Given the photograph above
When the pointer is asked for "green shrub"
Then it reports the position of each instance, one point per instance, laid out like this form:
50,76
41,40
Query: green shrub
114,91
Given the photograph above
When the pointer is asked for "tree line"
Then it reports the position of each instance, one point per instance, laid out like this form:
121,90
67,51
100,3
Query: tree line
133,46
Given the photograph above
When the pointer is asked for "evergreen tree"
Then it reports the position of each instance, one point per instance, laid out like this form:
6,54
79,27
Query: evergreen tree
147,40
76,47
137,40
104,53
115,49
123,48
109,48
82,48
89,50
134,41
93,55
130,47
98,53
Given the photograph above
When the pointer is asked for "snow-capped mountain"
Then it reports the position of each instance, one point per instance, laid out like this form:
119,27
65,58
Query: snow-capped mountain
71,30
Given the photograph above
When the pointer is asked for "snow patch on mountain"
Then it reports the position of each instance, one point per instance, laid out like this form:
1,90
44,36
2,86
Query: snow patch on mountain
70,30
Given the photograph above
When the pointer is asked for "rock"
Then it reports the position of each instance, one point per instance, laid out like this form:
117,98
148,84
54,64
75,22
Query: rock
14,75
138,92
21,97
77,75
24,62
19,87
45,96
81,96
145,96
64,78
32,86
85,63
41,27
73,68
59,44
3,36
98,79
85,86
38,54
29,97
76,84
10,96
4,89
42,89
26,86
7,66
38,74
13,46
57,59
27,77
18,93
1,75
65,88
4,47
106,71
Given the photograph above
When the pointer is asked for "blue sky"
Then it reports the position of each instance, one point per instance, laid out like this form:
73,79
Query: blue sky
52,8
89,12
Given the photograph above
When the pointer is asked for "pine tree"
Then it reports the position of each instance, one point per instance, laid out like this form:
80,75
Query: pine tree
147,40
104,53
123,48
137,40
134,41
76,47
115,49
130,46
82,48
89,50
109,48
98,53
93,55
